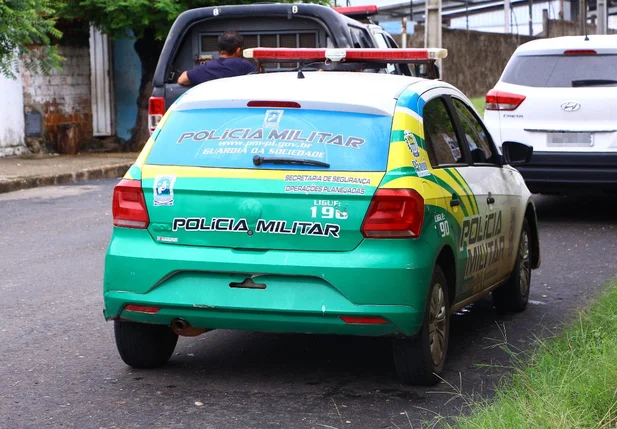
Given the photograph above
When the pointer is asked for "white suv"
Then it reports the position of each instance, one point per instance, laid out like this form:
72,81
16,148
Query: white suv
559,95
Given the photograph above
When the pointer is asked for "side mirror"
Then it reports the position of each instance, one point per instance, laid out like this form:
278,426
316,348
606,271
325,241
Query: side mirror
515,153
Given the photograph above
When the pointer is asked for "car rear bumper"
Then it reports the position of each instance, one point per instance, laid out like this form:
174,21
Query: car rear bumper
305,292
561,171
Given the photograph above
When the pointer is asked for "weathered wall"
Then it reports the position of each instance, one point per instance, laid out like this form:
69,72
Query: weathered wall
568,28
11,117
63,97
475,59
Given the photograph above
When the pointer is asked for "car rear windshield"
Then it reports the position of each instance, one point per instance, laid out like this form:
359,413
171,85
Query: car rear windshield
231,137
559,71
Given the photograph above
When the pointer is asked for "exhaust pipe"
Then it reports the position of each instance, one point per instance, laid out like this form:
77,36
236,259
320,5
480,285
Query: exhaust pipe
184,328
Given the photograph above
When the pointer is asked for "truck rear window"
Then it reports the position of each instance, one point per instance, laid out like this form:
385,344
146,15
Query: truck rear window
558,71
230,138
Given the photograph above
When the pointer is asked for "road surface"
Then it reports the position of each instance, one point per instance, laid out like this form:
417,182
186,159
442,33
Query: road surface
59,367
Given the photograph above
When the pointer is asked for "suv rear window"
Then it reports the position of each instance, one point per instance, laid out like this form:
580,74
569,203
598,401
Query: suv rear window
558,71
230,138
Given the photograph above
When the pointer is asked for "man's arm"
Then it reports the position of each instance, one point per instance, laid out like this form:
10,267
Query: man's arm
184,79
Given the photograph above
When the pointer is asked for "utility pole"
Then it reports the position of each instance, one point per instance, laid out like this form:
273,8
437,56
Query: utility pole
582,15
531,17
432,27
404,32
506,17
602,13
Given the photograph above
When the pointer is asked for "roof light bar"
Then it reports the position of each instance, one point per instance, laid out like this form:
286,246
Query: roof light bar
347,54
367,10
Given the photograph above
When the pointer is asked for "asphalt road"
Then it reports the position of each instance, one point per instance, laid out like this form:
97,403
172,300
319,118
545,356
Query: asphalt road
59,367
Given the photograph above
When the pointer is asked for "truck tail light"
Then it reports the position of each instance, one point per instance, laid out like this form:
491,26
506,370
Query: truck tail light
156,110
499,100
394,213
129,206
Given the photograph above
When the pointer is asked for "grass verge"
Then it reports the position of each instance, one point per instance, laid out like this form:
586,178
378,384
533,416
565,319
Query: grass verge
569,381
478,103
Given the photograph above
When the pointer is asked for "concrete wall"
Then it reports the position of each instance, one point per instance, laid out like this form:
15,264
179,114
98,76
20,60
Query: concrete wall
11,117
63,97
475,59
568,28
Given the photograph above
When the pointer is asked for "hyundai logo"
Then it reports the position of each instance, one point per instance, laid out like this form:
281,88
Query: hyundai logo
570,106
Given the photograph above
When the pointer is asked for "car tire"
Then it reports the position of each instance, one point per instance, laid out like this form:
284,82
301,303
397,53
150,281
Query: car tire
420,360
514,294
144,345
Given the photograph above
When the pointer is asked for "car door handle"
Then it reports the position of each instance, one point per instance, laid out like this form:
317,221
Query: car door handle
455,202
490,200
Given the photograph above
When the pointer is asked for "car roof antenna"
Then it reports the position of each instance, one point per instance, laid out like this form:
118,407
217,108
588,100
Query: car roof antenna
585,24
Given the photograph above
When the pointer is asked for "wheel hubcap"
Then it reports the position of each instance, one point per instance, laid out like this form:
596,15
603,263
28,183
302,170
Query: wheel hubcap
437,324
525,277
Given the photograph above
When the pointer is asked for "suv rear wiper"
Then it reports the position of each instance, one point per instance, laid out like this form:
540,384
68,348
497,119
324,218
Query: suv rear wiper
593,82
258,160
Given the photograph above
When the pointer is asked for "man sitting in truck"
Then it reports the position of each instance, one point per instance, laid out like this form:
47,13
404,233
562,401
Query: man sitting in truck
230,62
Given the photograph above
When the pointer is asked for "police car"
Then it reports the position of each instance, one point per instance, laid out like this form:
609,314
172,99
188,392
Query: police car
335,202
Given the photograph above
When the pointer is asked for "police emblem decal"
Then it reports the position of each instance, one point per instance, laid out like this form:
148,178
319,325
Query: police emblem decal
273,118
163,190
412,144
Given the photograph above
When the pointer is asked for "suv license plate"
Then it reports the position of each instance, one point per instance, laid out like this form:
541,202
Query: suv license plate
569,139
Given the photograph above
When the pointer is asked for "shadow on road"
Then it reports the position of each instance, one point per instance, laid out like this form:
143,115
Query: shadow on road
576,208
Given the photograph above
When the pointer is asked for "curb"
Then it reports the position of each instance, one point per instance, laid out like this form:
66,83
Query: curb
105,172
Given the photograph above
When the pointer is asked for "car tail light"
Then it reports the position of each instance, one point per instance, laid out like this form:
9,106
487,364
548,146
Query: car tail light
580,52
394,213
499,100
156,110
129,206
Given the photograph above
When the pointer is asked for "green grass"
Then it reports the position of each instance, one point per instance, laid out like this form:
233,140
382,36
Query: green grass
569,381
478,103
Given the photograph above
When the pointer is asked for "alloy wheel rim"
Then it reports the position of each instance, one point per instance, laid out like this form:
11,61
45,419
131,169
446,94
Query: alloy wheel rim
437,324
525,266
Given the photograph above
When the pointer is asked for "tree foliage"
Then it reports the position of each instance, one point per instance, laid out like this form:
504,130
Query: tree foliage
143,17
24,25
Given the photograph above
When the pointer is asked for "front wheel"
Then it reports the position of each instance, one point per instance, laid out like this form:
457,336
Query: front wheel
420,360
514,294
143,345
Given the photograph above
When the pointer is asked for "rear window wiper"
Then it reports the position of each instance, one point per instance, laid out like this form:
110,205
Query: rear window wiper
258,160
593,82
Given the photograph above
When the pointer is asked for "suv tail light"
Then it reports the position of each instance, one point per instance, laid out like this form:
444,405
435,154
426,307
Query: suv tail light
394,213
156,110
129,206
499,100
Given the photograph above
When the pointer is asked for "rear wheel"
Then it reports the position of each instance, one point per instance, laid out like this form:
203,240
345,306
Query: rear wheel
514,295
144,345
420,360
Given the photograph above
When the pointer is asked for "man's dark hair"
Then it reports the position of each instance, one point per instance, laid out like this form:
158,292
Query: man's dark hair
229,41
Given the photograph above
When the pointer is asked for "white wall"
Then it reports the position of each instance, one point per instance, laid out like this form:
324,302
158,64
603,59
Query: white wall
11,117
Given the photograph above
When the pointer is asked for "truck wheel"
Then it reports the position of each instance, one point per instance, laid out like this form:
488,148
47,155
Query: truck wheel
419,360
144,345
514,294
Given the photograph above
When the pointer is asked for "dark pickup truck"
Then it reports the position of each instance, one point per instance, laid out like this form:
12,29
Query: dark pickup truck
193,39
